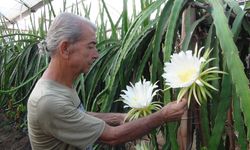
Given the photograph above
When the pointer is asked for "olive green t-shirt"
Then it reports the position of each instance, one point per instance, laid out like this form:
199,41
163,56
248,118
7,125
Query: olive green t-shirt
56,121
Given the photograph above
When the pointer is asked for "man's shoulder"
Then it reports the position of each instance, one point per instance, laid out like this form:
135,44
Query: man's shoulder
51,96
50,89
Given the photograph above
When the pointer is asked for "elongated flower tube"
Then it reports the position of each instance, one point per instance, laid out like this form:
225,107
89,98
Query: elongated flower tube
187,71
139,97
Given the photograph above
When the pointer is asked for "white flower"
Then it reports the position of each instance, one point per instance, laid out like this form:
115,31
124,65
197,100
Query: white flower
187,71
139,95
183,70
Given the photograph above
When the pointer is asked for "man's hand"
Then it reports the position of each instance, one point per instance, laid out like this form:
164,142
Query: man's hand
173,110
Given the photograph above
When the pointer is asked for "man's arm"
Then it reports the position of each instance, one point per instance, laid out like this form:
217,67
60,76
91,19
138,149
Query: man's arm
112,119
138,128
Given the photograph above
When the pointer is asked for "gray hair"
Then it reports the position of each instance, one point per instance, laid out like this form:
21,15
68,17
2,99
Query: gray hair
66,26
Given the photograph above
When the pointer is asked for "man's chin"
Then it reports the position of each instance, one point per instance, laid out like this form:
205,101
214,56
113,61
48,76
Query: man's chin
85,71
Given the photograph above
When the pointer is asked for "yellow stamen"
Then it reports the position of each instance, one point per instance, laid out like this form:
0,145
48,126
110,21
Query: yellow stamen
135,98
186,75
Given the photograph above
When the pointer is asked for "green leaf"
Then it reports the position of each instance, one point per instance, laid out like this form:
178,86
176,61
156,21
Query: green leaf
239,127
160,29
190,32
247,5
233,61
237,24
223,106
172,26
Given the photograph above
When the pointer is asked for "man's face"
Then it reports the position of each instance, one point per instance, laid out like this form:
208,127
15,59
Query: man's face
83,53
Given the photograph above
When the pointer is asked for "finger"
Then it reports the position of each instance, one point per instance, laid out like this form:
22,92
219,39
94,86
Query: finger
183,102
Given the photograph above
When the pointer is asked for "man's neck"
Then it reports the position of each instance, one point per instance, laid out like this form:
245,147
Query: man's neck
60,73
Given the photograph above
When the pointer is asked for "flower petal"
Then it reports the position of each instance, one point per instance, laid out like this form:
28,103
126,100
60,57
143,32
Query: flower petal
140,94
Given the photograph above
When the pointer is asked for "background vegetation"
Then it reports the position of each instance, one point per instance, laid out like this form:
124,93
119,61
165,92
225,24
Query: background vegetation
136,46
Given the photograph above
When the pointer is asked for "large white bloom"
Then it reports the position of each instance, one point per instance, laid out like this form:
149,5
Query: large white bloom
189,72
183,70
139,95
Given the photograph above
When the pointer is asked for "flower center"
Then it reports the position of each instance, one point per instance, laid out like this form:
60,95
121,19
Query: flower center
187,74
135,98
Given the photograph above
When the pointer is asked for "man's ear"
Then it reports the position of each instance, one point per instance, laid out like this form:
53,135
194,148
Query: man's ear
64,49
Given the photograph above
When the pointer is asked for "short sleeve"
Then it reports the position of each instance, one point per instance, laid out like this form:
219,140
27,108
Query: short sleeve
68,124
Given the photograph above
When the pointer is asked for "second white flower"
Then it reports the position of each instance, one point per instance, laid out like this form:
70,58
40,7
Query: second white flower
183,70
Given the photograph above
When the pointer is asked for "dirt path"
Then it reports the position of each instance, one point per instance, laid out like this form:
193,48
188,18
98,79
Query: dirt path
11,139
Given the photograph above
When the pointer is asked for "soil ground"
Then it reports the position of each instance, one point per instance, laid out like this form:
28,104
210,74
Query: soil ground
10,138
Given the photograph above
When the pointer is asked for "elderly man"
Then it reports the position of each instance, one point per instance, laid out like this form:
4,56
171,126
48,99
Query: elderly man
56,118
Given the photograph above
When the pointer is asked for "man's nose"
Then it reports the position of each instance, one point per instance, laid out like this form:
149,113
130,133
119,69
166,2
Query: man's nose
96,54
